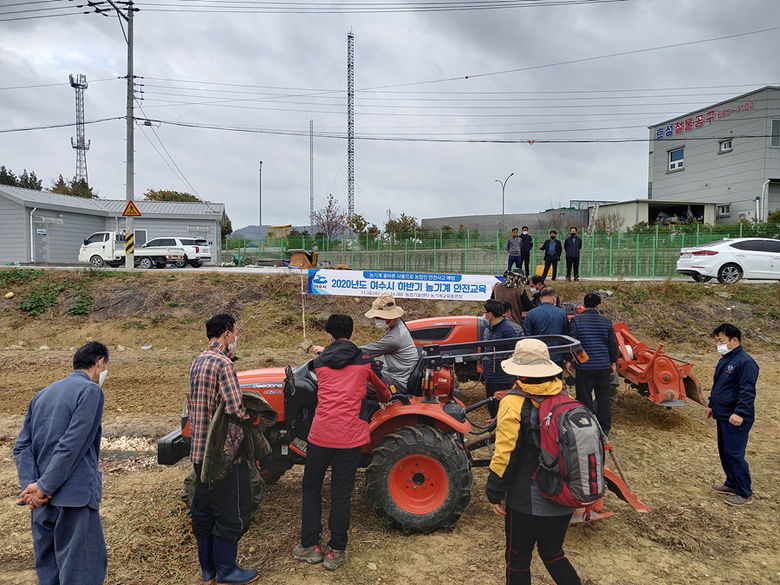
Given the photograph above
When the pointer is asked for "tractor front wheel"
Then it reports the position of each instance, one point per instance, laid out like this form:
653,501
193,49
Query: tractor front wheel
420,479
256,489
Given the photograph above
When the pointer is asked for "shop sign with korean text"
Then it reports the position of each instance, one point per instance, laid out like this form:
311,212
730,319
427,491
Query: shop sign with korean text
409,285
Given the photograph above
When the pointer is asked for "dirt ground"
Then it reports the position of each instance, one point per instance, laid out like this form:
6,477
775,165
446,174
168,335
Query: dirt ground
670,456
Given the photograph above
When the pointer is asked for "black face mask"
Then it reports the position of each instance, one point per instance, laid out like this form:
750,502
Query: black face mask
573,234
552,237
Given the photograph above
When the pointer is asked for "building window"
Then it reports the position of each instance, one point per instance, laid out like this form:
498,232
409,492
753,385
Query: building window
724,210
775,140
725,146
676,157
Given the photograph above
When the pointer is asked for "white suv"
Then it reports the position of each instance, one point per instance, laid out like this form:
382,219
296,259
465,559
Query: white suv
196,250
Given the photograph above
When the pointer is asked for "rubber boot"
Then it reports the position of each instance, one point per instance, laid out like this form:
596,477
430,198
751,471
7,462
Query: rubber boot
228,572
208,570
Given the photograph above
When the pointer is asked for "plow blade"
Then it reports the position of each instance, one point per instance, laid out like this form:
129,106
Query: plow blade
621,489
659,377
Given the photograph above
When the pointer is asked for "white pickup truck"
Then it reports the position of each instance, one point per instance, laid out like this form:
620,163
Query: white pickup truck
103,248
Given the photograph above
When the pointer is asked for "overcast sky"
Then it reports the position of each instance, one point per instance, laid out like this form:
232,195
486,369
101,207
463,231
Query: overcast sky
275,72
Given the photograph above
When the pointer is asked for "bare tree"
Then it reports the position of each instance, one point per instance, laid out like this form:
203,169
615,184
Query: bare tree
610,222
331,220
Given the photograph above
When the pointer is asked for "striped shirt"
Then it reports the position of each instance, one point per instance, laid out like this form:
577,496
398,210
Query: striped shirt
212,378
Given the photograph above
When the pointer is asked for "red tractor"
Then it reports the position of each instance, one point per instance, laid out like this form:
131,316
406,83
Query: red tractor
418,463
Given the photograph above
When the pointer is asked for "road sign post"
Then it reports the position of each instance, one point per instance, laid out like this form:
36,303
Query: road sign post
130,212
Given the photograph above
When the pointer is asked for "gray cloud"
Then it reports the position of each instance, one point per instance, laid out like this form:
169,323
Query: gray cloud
423,179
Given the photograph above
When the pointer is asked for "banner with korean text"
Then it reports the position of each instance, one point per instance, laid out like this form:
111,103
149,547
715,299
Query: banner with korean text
410,285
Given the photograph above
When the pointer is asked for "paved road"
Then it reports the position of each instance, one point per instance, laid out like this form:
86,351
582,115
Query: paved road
296,271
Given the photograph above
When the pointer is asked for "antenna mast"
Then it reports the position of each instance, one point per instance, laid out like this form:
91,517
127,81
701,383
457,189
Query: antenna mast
311,175
350,125
80,143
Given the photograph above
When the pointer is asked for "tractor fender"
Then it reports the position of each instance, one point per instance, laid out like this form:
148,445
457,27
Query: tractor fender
401,415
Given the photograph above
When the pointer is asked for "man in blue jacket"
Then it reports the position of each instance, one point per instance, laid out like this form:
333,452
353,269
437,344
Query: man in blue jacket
597,337
496,378
732,406
547,319
56,456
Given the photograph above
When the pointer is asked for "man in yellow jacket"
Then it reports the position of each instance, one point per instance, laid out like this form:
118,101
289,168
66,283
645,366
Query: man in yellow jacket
530,519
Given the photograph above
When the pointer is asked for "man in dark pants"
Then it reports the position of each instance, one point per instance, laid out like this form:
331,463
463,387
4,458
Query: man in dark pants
514,249
220,509
547,319
335,440
595,333
552,254
525,251
56,455
732,406
572,245
498,328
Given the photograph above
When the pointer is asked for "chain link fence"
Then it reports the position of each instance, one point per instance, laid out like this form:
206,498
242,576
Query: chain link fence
643,251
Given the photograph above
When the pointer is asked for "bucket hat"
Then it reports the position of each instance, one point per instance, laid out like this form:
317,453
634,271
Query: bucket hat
384,307
531,360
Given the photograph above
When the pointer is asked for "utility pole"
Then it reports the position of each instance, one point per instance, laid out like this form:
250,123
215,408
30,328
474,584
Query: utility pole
350,125
80,143
260,203
503,187
311,176
130,162
130,120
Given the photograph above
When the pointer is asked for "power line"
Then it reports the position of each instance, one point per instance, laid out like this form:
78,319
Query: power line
428,139
259,7
54,84
53,126
574,61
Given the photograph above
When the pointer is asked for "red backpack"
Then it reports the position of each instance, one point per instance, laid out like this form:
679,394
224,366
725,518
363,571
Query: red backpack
571,461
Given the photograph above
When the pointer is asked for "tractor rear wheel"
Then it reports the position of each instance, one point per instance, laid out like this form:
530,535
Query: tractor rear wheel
256,487
420,479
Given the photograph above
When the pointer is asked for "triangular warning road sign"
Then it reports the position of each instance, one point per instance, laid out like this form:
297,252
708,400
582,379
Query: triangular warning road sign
131,210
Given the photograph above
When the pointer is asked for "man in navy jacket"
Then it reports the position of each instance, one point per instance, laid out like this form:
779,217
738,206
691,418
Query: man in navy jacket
56,456
552,254
597,337
732,406
547,319
572,245
496,379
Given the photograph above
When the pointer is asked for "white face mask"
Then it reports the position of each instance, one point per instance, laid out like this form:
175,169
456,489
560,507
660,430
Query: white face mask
380,323
722,348
103,376
525,232
232,346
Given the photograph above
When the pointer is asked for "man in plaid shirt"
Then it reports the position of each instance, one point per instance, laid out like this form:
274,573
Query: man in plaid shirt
220,509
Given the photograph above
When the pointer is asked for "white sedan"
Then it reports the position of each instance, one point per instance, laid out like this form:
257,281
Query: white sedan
729,260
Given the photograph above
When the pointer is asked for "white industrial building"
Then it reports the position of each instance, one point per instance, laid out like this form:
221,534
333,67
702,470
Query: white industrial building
727,154
41,227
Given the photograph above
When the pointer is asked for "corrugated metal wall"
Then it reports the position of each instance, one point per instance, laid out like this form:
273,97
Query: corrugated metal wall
15,243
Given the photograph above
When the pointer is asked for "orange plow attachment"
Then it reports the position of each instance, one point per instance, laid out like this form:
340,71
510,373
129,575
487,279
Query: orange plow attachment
660,378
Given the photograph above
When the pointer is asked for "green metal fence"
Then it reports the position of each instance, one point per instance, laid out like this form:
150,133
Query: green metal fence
650,251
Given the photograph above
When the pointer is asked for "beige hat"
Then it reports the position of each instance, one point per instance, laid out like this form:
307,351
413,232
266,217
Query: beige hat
384,307
531,360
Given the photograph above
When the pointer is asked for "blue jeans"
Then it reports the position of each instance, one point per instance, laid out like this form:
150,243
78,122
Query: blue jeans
69,545
732,442
514,260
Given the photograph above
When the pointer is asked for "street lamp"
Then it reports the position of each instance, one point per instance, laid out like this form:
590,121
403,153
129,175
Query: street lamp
503,188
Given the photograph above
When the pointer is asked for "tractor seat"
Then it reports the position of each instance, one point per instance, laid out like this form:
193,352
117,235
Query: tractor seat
415,378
